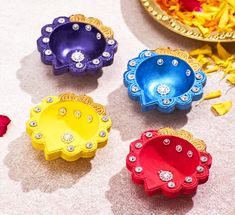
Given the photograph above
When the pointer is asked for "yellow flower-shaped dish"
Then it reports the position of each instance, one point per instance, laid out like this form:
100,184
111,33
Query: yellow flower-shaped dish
68,126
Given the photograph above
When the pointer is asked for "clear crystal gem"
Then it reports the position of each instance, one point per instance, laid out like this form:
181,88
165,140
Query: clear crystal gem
102,134
33,123
98,36
111,42
148,134
49,29
175,62
132,159
165,175
75,27
200,169
166,101
178,148
188,179
96,61
88,27
171,184
77,56
105,118
190,154
49,100
132,63
134,89
79,65
160,61
45,40
77,113
203,159
138,169
62,111
89,145
131,76
67,137
106,54
38,136
61,20
70,148
163,89
188,72
198,76
148,54
184,98
195,89
37,109
48,52
166,142
89,119
138,145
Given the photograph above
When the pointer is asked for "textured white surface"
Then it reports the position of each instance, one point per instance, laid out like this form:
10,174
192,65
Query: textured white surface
31,185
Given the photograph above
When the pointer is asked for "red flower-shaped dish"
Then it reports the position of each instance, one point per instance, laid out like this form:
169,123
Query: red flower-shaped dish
169,162
4,122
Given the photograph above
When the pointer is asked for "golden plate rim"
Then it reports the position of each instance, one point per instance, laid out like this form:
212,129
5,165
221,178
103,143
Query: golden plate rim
176,26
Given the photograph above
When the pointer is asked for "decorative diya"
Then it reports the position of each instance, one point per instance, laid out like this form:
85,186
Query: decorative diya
77,44
213,22
169,162
68,126
164,79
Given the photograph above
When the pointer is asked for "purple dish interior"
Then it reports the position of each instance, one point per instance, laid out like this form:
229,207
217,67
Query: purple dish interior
75,46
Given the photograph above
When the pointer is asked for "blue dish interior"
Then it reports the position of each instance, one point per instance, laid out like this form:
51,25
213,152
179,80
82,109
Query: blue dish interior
162,78
65,40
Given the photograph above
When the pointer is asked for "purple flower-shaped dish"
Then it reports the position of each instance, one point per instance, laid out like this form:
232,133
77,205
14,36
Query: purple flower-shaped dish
77,44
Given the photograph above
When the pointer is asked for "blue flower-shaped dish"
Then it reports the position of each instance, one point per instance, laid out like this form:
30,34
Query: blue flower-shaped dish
164,79
77,44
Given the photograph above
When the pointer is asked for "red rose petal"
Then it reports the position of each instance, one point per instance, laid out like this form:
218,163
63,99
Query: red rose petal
4,122
191,5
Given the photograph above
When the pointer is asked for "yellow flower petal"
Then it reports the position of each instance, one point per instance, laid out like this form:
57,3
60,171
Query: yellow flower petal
223,54
214,69
221,108
231,79
205,50
224,18
213,95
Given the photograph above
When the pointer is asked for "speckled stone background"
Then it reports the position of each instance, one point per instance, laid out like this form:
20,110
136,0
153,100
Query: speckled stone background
30,185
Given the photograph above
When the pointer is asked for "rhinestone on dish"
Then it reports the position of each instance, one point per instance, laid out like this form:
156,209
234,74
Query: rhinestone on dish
70,148
37,109
48,52
138,145
195,89
111,42
166,101
45,40
160,61
190,154
49,29
163,89
88,27
98,36
49,100
175,62
102,134
203,159
106,54
77,114
148,134
132,63
75,27
61,20
198,76
138,169
89,145
38,136
171,184
67,137
200,169
166,142
131,76
184,98
132,159
33,123
79,65
89,119
77,56
134,89
178,148
188,179
165,175
96,61
148,54
105,118
62,111
188,72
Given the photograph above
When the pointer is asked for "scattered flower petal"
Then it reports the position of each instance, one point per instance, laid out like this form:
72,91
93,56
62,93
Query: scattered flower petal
221,108
4,122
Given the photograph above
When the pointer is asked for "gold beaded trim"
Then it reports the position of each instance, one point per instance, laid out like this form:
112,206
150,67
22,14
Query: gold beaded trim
106,31
194,33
